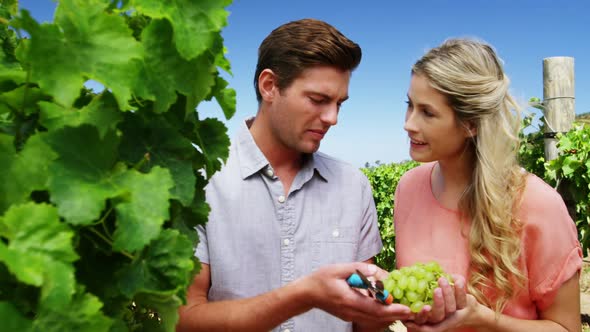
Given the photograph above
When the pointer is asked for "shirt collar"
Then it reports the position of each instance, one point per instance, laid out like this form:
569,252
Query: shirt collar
252,160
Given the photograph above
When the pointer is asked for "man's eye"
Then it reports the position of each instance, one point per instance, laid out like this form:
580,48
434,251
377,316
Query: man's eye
316,101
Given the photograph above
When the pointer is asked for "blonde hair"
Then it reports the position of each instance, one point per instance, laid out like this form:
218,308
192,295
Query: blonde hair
470,74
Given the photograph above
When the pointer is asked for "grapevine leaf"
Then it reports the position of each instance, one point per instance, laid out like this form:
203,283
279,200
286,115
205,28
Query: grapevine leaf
9,7
8,41
102,112
14,99
83,313
220,60
103,50
11,78
195,23
213,142
81,178
570,164
22,172
166,71
163,268
165,306
165,147
185,219
39,251
12,319
226,97
144,209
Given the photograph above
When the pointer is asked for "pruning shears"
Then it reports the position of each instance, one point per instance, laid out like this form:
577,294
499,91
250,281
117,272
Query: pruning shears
358,280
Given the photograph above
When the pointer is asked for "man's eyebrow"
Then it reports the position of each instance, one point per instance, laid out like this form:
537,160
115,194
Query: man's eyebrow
323,95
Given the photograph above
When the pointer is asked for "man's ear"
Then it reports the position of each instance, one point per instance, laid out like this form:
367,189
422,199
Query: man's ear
267,85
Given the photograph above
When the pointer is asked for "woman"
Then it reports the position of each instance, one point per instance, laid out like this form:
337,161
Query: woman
473,209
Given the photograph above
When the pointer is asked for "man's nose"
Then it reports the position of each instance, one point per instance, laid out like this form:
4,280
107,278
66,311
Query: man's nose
330,115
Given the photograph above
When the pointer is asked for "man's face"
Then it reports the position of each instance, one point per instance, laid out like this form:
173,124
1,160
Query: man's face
301,114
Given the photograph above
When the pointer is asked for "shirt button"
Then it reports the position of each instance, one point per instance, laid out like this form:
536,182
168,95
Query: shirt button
270,173
281,199
286,330
286,242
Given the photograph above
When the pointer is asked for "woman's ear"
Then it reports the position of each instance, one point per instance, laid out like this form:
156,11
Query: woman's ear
470,129
267,85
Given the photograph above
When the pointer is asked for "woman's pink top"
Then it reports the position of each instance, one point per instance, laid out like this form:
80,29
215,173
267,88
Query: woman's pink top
551,253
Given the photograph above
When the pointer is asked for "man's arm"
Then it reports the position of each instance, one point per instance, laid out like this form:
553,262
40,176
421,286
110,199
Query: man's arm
325,289
260,313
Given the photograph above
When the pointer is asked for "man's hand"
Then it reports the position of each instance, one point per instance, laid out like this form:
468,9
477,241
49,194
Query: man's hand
329,291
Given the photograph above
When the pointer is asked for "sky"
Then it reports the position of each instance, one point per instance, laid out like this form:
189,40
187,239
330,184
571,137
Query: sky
393,35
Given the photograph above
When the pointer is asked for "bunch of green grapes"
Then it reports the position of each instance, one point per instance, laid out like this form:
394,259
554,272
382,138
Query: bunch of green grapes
414,285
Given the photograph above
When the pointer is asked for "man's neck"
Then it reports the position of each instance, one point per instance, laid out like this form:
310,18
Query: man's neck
285,162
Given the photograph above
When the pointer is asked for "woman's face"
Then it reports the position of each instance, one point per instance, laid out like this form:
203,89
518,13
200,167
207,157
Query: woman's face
435,132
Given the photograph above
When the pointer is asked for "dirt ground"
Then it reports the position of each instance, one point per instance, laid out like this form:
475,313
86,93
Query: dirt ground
584,300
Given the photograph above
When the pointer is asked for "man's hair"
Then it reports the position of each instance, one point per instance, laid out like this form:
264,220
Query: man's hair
298,45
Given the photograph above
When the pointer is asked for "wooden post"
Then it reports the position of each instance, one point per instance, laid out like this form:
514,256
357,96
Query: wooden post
558,100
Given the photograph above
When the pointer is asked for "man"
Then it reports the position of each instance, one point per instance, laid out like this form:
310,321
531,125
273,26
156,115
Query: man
283,214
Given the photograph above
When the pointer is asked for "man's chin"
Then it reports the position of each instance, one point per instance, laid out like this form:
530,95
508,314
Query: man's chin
309,148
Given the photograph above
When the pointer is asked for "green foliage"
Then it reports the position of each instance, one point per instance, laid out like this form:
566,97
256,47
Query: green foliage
572,170
384,179
569,173
100,191
531,153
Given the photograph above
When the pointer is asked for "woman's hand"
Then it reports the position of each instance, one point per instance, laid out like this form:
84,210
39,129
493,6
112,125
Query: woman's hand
447,299
452,308
467,316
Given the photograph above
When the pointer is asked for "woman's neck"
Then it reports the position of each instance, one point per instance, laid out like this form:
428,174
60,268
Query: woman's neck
450,179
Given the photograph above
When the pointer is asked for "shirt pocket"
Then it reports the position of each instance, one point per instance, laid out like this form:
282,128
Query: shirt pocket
332,245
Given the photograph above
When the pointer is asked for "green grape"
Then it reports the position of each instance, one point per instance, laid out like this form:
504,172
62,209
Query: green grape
414,285
389,283
395,274
433,267
412,296
402,283
420,272
405,302
422,286
398,293
429,276
416,306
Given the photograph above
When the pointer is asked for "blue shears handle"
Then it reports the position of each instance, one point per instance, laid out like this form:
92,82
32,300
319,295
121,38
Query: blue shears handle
356,281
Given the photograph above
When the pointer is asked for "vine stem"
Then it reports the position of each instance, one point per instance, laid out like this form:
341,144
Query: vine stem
101,221
123,252
140,163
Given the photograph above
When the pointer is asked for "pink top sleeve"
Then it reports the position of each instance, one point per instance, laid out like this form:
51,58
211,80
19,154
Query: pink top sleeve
551,248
